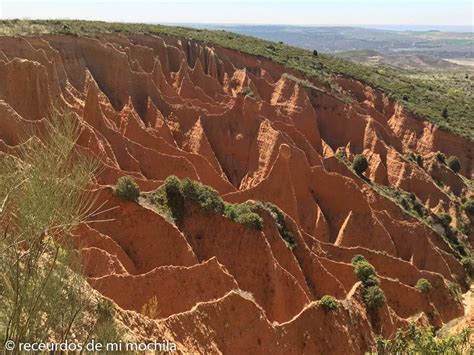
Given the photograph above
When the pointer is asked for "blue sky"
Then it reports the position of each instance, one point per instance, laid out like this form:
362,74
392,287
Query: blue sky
303,12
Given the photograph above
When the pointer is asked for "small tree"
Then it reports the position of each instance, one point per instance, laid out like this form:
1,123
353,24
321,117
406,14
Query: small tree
419,160
454,164
372,280
357,259
423,285
441,157
374,297
251,220
174,197
243,214
445,113
205,196
328,303
364,270
315,53
445,219
468,206
360,164
127,188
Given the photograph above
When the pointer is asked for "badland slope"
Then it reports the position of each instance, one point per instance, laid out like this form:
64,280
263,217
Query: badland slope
151,107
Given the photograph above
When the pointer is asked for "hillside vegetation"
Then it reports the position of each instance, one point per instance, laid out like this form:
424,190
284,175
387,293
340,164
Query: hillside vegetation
439,101
333,39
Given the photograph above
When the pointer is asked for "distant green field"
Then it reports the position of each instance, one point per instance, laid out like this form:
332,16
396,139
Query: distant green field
424,96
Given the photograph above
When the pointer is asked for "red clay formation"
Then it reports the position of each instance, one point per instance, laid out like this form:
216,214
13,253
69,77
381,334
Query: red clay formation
152,107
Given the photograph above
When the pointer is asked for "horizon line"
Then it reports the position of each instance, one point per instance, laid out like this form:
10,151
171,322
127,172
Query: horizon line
471,26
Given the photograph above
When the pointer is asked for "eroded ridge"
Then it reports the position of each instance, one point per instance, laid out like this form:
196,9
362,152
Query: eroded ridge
152,107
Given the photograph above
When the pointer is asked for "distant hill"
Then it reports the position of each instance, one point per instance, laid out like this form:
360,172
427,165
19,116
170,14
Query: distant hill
334,39
423,49
406,61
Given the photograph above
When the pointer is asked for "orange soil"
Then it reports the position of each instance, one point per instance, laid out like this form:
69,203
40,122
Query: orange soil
152,107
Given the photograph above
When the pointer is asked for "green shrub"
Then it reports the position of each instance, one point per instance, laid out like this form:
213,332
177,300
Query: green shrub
416,158
440,157
419,208
454,164
287,236
174,197
463,226
251,220
419,160
172,186
328,303
243,214
105,329
280,221
356,259
159,201
364,270
233,210
445,113
423,285
177,191
405,204
205,196
360,164
127,188
468,206
189,189
438,182
373,297
271,47
445,219
340,153
247,91
372,280
468,264
454,290
417,340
